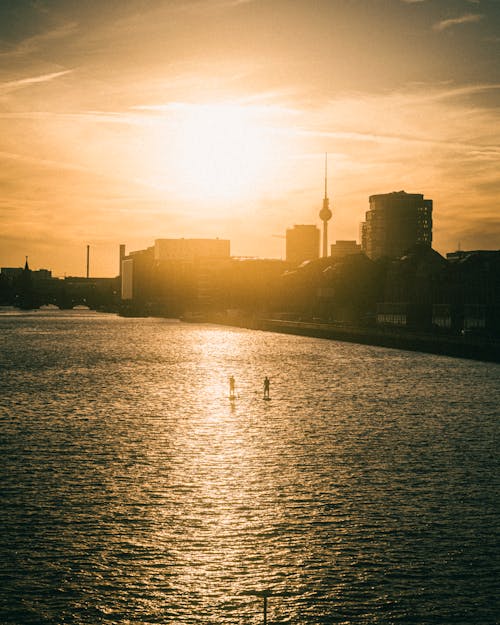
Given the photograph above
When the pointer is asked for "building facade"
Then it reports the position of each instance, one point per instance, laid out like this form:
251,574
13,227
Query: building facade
174,276
340,249
395,223
302,243
191,250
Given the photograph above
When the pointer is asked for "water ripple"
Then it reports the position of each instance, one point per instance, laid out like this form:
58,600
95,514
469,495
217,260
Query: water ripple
134,492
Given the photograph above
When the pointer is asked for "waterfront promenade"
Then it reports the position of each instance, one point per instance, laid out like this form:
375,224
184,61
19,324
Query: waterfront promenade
468,346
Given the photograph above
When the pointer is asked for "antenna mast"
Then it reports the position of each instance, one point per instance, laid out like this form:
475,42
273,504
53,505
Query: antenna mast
326,174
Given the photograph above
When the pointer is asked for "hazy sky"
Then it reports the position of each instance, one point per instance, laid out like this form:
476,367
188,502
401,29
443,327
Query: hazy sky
125,121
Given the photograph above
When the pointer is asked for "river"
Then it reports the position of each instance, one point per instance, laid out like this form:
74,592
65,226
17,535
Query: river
133,491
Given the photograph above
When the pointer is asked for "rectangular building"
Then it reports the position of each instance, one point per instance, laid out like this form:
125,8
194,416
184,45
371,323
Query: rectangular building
340,249
191,250
302,243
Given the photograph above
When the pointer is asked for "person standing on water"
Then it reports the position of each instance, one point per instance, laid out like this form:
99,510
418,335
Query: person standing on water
266,387
231,387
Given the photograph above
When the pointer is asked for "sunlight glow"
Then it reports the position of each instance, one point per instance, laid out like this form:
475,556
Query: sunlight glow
224,152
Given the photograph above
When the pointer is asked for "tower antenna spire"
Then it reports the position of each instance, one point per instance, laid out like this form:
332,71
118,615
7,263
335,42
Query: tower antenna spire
326,174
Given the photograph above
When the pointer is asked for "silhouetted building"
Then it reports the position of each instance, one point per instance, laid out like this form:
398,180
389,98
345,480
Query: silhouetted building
11,272
299,288
123,253
250,285
350,288
175,276
472,291
188,273
414,283
137,275
191,249
339,249
16,272
396,222
302,243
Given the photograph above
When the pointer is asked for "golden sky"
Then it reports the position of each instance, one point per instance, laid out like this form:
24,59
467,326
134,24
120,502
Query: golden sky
125,121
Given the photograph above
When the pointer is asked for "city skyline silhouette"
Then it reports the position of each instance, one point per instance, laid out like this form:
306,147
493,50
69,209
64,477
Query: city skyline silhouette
204,119
250,312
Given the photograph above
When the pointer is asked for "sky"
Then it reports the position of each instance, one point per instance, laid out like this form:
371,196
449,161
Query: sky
123,121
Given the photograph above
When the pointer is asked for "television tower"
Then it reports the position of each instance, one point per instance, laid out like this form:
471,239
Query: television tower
325,214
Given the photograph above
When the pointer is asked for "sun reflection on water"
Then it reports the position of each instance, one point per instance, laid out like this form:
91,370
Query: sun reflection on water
151,497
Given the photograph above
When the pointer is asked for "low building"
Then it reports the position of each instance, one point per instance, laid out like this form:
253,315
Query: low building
473,291
414,283
339,249
190,250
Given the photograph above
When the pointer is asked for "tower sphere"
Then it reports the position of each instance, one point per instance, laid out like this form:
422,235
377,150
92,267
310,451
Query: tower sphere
325,214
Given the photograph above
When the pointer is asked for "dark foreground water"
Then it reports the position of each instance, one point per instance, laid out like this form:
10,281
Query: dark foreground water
134,492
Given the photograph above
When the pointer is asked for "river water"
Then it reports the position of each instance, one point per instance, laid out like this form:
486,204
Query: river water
133,491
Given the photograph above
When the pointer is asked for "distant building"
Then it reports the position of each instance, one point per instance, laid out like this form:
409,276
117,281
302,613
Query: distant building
41,274
302,243
414,284
174,275
136,272
395,223
190,249
12,272
340,249
472,291
16,273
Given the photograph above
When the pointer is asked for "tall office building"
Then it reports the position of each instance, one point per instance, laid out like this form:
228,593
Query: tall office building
302,243
396,222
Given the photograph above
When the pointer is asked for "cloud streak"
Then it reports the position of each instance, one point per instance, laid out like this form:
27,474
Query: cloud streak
14,85
468,18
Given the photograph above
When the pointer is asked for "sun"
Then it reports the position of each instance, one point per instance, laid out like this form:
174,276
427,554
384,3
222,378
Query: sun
222,152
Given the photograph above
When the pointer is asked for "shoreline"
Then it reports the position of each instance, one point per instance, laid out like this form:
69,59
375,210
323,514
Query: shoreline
475,348
486,349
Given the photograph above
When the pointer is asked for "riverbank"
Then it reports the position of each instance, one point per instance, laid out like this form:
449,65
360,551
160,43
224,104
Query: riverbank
476,348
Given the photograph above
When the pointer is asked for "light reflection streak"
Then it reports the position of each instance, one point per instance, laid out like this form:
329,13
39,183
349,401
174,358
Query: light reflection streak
150,497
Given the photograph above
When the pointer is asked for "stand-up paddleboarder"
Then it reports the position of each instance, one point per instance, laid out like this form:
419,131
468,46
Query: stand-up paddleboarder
266,387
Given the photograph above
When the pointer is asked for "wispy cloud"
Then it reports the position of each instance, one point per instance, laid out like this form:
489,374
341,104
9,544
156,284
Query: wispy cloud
250,105
42,162
13,85
33,44
210,5
457,92
61,166
468,18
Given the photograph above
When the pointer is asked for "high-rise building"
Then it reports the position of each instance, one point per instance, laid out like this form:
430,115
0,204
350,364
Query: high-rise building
302,243
396,222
